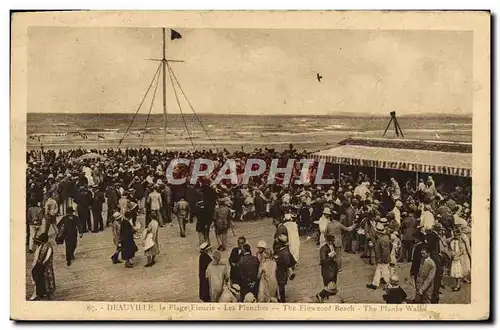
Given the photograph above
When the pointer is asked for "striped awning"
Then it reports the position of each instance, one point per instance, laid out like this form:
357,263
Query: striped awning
449,163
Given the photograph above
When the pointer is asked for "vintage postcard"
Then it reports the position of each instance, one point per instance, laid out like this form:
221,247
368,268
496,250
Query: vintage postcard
250,165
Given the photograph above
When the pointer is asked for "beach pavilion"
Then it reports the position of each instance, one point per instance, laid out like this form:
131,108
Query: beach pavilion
383,156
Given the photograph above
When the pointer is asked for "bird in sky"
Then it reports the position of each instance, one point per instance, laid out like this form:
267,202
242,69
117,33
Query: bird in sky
319,77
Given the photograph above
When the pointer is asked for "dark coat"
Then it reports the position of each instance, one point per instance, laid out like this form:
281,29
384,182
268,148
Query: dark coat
129,248
248,268
234,259
204,261
416,259
329,266
283,262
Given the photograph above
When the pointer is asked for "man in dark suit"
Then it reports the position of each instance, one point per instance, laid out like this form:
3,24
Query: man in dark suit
283,263
97,201
248,267
234,259
419,239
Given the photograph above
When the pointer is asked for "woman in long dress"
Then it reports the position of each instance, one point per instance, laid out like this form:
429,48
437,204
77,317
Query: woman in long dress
456,270
465,259
153,251
268,285
42,271
293,236
217,275
128,246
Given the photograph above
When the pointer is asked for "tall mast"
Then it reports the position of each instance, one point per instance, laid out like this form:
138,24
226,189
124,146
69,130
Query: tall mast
164,65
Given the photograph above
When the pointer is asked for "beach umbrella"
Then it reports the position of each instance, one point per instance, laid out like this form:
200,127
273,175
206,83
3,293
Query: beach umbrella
91,155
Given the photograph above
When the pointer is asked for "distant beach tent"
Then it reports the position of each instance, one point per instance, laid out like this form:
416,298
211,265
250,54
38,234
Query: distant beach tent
91,155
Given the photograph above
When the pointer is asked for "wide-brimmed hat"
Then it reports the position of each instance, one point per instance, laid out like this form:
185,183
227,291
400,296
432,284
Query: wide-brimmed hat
235,289
262,244
394,280
380,227
327,211
249,298
383,220
205,247
117,216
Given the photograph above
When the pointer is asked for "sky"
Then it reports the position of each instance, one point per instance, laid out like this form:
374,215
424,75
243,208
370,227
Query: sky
247,71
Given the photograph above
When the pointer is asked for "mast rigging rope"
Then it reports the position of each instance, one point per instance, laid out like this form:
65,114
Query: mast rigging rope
140,105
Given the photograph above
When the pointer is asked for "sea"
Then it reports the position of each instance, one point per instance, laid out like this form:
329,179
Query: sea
62,131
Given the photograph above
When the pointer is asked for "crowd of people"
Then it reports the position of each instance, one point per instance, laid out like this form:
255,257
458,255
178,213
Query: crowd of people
385,222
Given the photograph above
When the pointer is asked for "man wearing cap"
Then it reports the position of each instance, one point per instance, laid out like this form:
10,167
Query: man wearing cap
204,261
69,227
329,266
383,247
182,211
222,222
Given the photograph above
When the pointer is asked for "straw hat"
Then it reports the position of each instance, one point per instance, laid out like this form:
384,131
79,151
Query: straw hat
249,298
380,228
383,220
327,211
117,216
261,244
205,247
235,289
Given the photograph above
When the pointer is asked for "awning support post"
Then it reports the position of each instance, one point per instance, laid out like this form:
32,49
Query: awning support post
375,173
416,183
339,173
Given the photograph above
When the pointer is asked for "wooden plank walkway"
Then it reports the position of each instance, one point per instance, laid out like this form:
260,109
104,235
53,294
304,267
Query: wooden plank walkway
174,278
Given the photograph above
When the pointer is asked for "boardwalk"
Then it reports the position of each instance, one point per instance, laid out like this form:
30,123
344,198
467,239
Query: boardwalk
92,277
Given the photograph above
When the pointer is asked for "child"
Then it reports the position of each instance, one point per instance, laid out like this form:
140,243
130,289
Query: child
394,293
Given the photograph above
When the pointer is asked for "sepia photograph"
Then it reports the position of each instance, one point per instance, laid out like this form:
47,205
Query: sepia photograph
251,169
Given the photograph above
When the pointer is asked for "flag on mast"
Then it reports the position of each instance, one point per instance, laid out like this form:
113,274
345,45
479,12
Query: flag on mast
174,35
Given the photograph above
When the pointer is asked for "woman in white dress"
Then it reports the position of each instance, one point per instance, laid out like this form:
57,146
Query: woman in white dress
456,270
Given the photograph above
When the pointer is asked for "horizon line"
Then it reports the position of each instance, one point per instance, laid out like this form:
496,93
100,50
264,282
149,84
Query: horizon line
364,114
